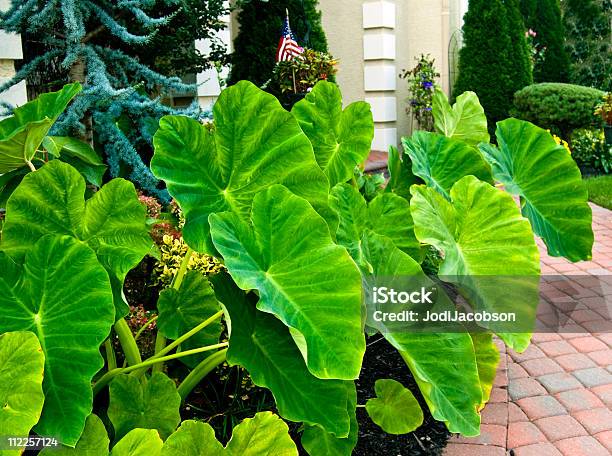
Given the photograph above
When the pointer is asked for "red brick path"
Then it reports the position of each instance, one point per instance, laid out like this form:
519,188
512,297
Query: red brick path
555,399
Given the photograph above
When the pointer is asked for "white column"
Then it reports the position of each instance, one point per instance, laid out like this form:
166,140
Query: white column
10,50
380,71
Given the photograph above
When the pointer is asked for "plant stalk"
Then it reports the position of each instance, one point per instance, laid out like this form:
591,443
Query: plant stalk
160,340
111,359
106,378
199,372
128,343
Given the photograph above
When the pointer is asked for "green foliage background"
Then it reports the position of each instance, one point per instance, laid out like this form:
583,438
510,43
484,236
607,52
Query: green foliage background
588,32
494,61
544,17
260,28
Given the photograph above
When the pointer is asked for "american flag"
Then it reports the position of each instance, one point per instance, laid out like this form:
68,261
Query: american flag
288,48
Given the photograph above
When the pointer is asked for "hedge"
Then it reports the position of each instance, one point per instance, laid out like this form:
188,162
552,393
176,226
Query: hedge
558,107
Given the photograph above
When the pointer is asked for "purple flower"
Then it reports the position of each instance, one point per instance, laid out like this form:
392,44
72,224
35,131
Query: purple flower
428,85
428,108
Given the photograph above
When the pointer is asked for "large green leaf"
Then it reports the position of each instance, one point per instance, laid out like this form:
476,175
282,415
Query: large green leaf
318,442
78,154
9,182
261,344
400,174
63,295
387,215
340,139
183,309
93,442
553,197
21,376
141,403
442,161
254,143
22,133
139,442
311,284
394,409
451,389
465,120
489,250
193,438
263,435
487,358
112,222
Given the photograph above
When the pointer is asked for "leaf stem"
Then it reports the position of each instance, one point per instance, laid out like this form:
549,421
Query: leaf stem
183,338
111,359
128,343
106,378
160,340
31,165
145,326
199,372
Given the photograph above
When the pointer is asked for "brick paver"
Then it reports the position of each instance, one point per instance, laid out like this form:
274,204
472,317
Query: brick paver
555,399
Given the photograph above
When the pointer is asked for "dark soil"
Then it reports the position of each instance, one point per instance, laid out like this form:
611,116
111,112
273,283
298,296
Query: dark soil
383,361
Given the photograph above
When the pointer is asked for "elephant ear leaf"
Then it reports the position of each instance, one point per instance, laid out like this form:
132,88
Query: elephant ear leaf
253,144
465,120
530,164
183,309
193,438
387,214
488,247
139,442
400,174
112,222
93,442
394,409
487,358
442,161
33,298
264,434
341,139
262,344
150,404
317,441
78,154
451,390
22,133
21,376
288,255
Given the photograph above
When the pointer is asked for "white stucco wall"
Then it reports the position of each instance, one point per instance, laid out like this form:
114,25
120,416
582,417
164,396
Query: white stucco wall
375,39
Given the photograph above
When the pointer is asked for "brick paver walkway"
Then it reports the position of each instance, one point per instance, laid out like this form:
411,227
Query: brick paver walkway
555,399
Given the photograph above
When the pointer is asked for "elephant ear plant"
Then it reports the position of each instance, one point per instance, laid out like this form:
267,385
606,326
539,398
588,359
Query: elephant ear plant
25,142
271,194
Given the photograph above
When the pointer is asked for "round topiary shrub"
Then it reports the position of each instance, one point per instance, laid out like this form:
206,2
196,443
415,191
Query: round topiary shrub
558,107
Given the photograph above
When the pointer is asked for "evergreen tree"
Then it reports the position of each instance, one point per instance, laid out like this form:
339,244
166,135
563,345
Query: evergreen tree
589,41
544,18
261,23
520,69
68,41
492,61
172,51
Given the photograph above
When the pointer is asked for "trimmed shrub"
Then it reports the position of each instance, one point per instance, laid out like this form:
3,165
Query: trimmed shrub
490,61
558,107
590,151
261,24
